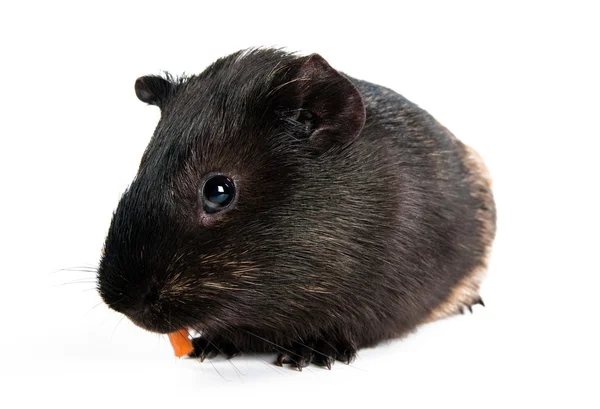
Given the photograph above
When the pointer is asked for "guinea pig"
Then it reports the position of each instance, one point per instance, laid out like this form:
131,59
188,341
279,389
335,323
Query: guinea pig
282,206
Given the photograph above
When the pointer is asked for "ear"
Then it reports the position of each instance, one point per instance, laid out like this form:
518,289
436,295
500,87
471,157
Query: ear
328,101
153,90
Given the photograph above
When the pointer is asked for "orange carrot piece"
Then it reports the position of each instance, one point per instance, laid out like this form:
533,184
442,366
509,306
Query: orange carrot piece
182,345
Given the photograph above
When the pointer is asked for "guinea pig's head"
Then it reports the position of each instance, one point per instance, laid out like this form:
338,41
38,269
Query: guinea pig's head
229,220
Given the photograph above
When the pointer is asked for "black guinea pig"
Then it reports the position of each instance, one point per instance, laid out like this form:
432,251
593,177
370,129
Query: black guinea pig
284,207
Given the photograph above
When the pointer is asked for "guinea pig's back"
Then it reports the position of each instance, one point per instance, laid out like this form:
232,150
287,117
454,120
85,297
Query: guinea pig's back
465,293
457,187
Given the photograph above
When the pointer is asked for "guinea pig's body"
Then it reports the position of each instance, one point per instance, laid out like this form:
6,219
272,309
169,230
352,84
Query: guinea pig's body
351,215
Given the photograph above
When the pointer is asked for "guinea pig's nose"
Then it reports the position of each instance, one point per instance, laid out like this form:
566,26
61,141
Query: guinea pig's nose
138,313
143,316
150,316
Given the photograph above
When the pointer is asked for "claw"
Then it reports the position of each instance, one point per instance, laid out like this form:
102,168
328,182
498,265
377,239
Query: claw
348,357
299,354
283,358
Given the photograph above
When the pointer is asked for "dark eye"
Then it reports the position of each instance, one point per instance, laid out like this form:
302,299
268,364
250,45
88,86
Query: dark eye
217,193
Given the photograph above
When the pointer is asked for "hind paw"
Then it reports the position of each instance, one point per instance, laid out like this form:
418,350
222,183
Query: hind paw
462,308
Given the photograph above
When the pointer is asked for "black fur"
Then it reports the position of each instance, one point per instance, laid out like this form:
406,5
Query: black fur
353,219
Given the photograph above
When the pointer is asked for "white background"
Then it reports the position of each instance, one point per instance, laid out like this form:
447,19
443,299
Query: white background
519,82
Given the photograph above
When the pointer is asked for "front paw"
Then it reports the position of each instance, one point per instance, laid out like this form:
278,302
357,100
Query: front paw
205,347
319,352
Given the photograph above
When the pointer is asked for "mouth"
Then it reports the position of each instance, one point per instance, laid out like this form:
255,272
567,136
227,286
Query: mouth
152,324
180,338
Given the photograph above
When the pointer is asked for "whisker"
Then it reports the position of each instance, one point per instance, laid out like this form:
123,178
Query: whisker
269,365
116,326
325,355
88,311
81,281
272,343
312,349
82,269
229,360
213,365
218,349
332,346
277,370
